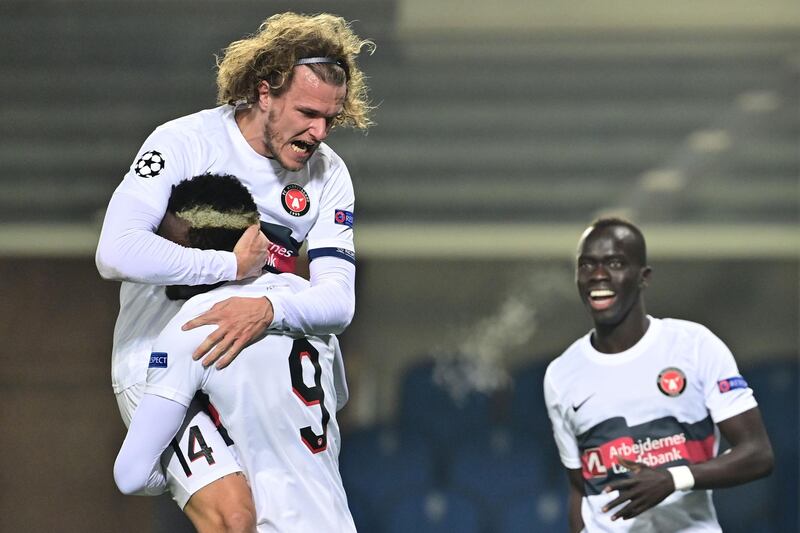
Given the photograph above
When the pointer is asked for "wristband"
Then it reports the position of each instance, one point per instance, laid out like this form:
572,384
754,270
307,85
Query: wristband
682,477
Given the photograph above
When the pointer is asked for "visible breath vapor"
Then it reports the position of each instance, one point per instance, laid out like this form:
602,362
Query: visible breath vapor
480,361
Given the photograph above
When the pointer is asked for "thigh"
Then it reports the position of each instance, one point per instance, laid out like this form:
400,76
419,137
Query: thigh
198,456
223,505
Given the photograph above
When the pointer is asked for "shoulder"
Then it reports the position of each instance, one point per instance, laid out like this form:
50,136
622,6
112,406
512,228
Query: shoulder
267,283
202,302
697,341
328,165
564,365
686,328
328,154
197,127
191,308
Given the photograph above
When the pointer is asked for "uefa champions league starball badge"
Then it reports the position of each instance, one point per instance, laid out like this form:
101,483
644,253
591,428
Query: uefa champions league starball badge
150,164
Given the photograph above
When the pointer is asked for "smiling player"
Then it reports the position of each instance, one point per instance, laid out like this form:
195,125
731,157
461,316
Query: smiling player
637,404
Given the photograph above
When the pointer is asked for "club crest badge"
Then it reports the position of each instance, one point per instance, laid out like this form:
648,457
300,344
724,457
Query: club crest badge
294,200
671,381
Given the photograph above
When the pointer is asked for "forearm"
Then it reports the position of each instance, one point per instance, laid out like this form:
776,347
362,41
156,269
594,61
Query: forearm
731,469
574,516
137,469
130,250
327,307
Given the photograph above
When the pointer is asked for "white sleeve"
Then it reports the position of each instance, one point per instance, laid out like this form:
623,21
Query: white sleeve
137,469
130,250
172,373
325,308
332,232
726,392
562,432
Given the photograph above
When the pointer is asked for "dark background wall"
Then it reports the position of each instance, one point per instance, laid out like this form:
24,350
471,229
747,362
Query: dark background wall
60,425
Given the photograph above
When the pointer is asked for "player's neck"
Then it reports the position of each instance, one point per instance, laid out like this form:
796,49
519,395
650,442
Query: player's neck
622,336
252,130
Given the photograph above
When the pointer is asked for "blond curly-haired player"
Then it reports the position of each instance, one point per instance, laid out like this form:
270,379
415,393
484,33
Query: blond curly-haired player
281,91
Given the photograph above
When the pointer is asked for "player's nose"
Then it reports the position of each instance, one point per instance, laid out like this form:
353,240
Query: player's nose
318,129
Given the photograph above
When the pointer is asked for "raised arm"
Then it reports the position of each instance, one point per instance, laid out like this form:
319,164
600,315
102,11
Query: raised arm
326,307
130,250
137,469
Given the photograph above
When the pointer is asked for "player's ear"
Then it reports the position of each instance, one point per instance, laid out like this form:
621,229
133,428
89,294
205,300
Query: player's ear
644,277
263,92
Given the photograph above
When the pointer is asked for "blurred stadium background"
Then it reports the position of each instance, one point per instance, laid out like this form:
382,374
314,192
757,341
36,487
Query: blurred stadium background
503,128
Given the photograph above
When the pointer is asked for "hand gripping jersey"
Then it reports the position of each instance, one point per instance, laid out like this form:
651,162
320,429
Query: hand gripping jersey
657,403
314,204
278,403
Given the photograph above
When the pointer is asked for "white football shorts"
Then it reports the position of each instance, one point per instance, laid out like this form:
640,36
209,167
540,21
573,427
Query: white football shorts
200,453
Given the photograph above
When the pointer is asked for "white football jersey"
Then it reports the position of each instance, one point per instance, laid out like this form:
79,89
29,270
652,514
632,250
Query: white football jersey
656,403
315,203
278,402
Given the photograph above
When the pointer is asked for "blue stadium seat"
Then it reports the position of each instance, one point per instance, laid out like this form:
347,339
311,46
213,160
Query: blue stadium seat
787,486
429,408
750,507
496,468
435,512
527,413
537,512
381,464
364,514
775,385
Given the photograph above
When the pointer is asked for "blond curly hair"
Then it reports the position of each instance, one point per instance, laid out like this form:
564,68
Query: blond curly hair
271,53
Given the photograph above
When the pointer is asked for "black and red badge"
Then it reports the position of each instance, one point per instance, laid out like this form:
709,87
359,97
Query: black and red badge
672,381
295,200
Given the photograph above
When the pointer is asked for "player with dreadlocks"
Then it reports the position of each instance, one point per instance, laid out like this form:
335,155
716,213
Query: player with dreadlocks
284,431
280,92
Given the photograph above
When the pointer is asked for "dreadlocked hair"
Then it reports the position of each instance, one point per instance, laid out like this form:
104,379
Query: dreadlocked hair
217,207
272,52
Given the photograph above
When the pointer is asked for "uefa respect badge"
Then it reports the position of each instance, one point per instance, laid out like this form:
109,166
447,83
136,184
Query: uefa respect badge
158,360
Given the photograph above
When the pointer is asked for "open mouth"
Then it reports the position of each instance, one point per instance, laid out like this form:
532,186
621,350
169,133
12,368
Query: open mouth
601,299
302,147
